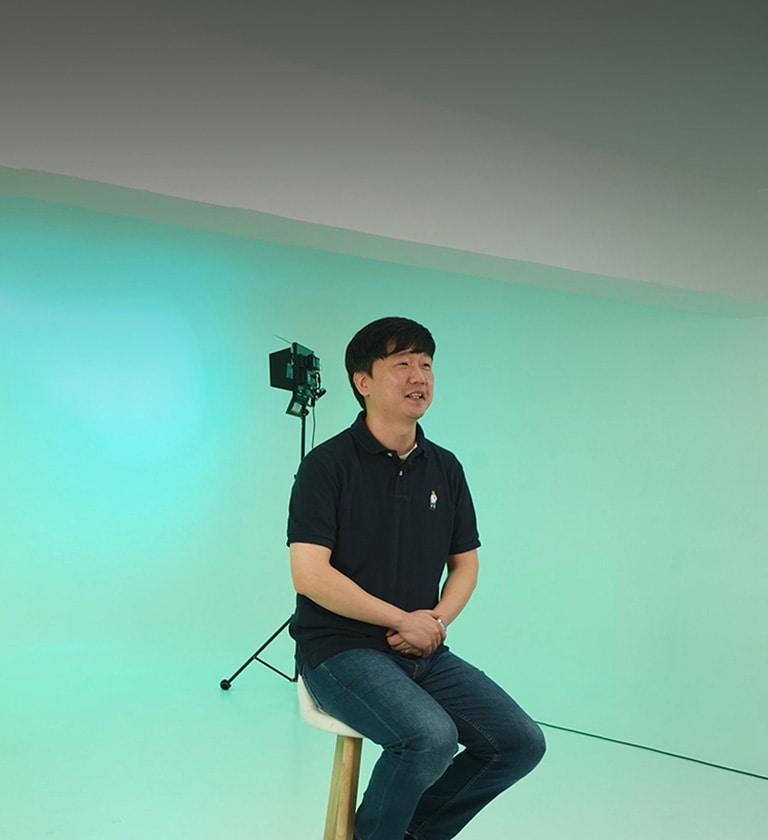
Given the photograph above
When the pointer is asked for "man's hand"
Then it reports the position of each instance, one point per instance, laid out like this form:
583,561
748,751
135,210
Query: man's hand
418,634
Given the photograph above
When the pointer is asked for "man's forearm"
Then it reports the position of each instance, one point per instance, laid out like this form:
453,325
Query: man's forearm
458,586
338,593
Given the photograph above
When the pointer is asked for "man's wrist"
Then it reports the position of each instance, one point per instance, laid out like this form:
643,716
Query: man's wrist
398,623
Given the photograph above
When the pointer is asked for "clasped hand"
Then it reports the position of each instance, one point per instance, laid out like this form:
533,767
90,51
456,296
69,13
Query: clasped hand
420,634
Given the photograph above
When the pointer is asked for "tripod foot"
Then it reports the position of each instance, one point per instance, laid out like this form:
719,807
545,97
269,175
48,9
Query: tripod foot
225,684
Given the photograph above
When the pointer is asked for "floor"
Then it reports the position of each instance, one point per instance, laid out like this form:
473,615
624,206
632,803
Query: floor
103,742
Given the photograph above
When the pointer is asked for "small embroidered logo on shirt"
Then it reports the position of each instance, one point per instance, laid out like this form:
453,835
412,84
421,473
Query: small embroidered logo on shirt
432,500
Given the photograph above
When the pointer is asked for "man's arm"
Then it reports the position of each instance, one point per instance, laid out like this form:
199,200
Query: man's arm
315,577
459,585
457,589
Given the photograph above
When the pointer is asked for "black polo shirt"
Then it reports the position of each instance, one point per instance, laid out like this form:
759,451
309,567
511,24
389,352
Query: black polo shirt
390,525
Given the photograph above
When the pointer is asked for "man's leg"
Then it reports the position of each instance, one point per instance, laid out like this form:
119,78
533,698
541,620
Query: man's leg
501,745
375,693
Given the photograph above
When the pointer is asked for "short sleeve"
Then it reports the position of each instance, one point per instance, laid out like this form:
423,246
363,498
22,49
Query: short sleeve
465,536
313,507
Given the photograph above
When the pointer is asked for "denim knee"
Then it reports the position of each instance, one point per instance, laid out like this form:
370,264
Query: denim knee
524,751
536,745
430,750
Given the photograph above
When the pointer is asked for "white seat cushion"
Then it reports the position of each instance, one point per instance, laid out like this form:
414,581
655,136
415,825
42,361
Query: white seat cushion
316,717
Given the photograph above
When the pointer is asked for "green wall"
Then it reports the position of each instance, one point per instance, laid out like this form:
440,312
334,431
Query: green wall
617,454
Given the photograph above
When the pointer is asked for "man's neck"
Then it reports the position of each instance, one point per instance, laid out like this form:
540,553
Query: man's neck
401,437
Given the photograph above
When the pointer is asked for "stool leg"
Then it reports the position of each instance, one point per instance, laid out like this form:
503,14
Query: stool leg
340,819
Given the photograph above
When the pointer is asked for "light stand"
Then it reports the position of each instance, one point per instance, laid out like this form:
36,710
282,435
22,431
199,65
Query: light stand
295,369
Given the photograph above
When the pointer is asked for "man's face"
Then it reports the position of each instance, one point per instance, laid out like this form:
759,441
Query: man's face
399,386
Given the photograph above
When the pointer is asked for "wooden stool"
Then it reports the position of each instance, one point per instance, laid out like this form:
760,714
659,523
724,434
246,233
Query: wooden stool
342,799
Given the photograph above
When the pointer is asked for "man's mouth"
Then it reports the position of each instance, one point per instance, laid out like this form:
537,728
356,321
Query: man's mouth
415,395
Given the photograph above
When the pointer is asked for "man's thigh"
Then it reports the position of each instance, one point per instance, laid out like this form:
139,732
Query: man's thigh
377,695
486,717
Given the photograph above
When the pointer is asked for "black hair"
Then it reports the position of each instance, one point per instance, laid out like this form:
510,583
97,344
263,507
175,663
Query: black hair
383,338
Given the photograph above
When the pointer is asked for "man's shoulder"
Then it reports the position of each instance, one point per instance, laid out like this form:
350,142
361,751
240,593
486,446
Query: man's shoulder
333,442
334,450
345,442
442,453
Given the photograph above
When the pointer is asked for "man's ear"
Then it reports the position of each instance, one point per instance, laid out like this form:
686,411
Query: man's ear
360,378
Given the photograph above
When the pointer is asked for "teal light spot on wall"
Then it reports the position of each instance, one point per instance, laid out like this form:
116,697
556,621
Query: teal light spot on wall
130,380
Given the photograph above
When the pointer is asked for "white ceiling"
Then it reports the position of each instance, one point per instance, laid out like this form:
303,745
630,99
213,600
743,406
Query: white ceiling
682,85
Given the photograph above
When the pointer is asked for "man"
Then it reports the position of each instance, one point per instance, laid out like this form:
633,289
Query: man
377,514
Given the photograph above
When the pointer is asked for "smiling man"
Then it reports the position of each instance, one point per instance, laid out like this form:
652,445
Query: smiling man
378,515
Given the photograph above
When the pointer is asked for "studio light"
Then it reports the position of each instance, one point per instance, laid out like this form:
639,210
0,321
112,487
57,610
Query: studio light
297,369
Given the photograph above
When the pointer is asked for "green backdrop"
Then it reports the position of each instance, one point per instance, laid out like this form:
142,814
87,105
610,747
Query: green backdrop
617,454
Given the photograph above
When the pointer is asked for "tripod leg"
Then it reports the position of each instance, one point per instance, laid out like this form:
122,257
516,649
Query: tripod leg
226,684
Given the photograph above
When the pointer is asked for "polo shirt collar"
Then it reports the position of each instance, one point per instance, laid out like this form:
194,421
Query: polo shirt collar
363,436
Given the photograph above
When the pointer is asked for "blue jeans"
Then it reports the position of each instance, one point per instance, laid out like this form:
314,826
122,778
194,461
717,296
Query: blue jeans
419,711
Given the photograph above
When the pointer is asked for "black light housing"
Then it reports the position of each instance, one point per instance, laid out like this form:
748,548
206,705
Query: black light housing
296,369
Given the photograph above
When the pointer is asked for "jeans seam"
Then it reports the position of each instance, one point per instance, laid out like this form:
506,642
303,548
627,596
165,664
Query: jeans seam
479,729
475,778
467,785
364,703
